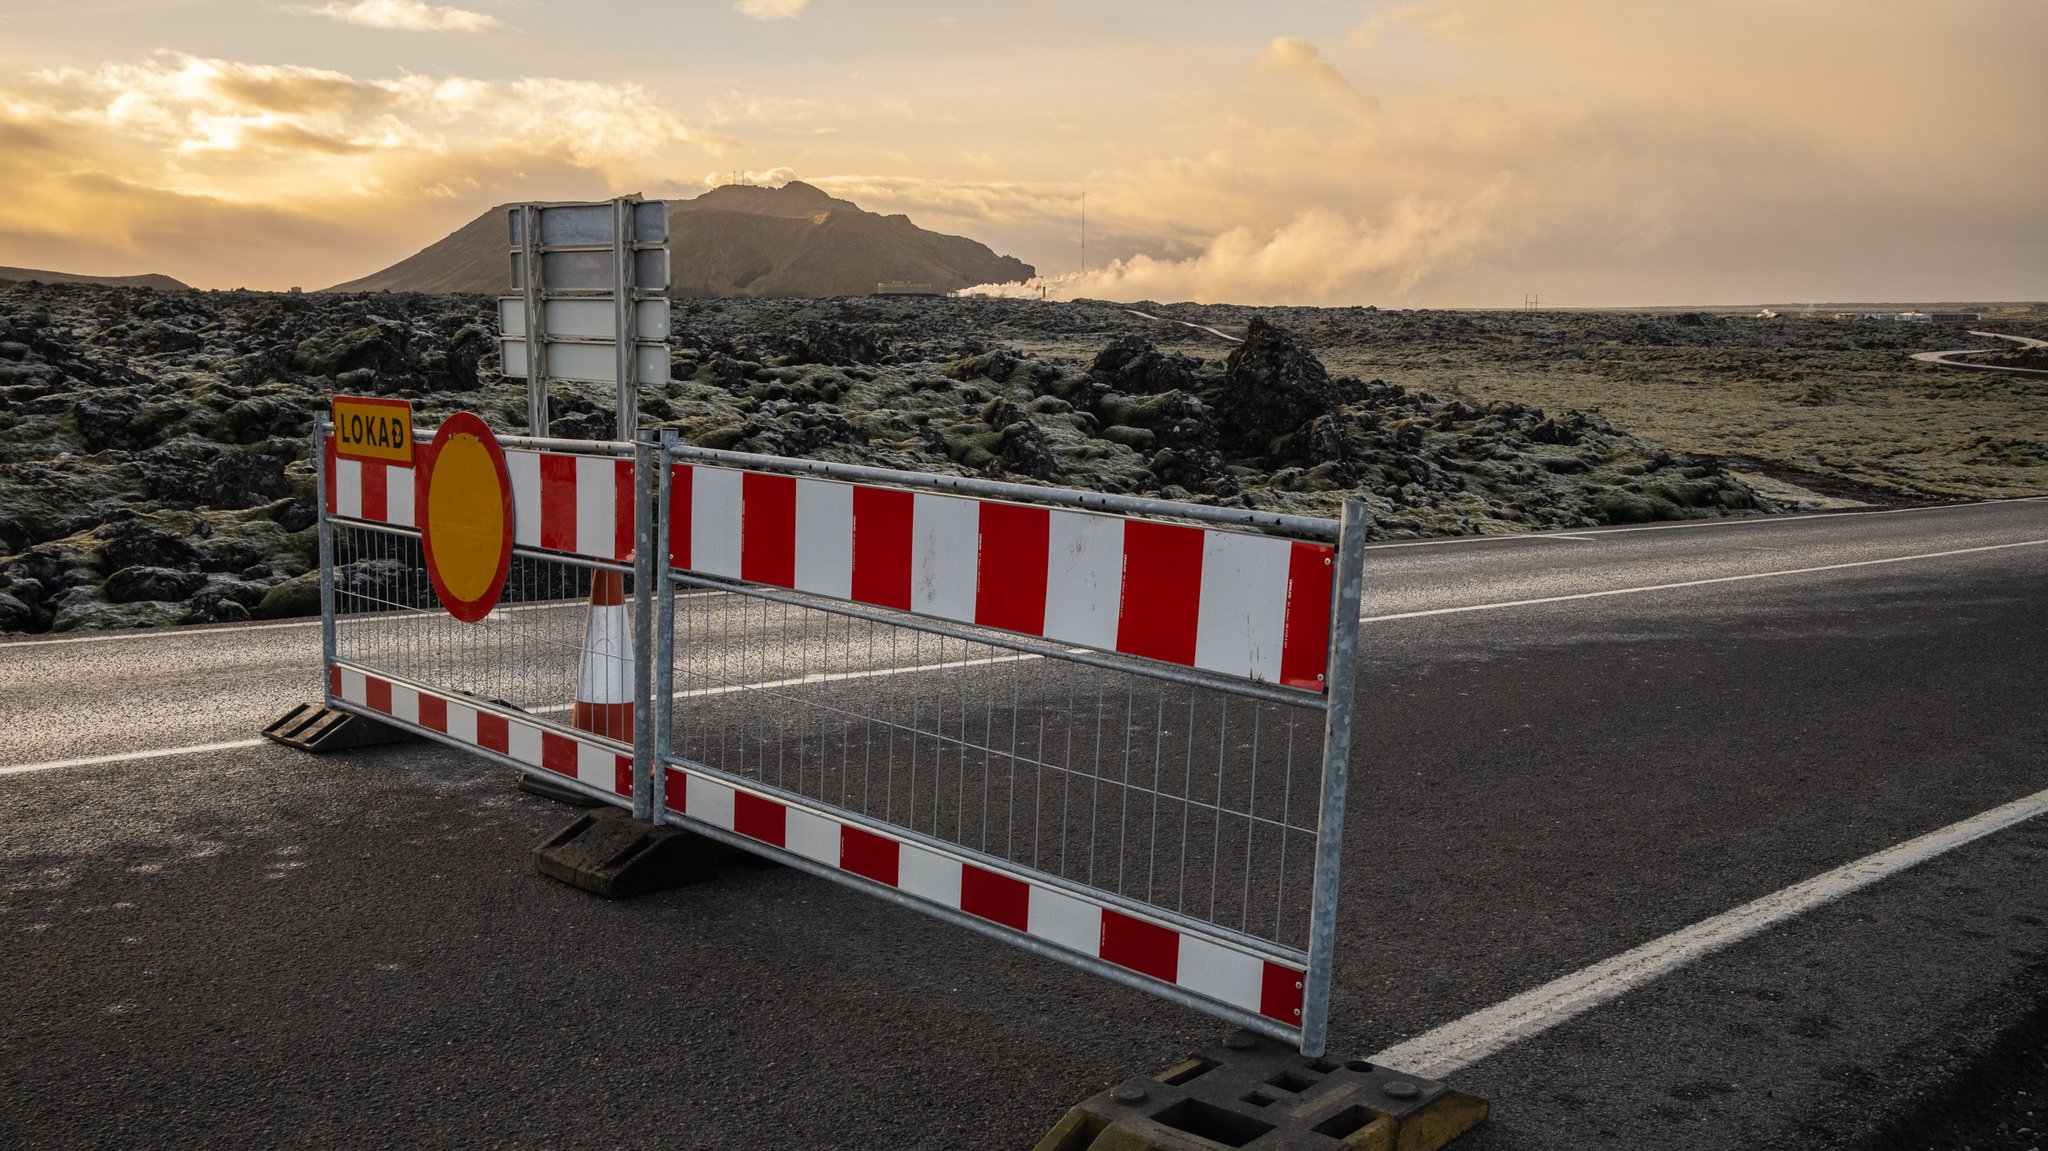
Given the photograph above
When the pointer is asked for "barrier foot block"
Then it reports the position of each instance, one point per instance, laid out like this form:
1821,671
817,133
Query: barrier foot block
534,783
617,857
313,727
1259,1095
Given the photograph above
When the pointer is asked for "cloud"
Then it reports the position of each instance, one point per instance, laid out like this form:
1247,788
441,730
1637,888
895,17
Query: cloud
772,178
777,111
406,15
227,173
1318,257
1628,154
769,9
1444,153
1291,56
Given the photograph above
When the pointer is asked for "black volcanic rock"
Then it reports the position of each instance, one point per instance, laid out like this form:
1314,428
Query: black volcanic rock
1271,387
159,483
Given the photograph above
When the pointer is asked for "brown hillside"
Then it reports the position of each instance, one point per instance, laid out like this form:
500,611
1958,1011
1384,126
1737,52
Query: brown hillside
792,241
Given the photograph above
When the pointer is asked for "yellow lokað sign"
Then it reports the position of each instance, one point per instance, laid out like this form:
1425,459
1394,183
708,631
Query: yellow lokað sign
373,428
465,515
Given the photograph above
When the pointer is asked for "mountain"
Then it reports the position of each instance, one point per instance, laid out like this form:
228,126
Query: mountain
151,280
739,240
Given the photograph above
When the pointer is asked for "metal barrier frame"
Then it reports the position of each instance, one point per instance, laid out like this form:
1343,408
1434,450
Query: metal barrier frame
336,668
1336,705
654,760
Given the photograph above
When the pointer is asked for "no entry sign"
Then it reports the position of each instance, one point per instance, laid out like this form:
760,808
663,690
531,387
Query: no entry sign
465,517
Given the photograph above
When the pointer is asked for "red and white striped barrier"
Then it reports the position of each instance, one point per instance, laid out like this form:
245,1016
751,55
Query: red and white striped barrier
588,761
1232,602
561,502
370,490
1135,943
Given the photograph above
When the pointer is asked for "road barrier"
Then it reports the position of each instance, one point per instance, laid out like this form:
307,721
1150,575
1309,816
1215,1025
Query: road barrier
1111,730
534,679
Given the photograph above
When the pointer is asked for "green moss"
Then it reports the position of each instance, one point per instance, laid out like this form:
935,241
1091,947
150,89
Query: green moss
298,596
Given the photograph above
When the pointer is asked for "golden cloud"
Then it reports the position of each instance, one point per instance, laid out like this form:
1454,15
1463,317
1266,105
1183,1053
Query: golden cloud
226,172
407,15
1293,56
769,9
1629,154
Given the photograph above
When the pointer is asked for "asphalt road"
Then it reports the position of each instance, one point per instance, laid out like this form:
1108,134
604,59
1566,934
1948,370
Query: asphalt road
1952,359
251,946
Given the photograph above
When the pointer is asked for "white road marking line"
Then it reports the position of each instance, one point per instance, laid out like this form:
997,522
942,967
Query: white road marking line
1694,583
125,756
826,677
176,631
836,676
1437,1053
1725,522
184,632
157,633
1186,324
725,689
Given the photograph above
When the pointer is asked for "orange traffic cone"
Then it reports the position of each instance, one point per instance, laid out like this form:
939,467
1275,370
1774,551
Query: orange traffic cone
604,692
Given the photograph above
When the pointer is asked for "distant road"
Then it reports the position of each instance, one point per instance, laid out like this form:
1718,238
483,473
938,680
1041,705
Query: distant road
1185,324
1571,746
1949,360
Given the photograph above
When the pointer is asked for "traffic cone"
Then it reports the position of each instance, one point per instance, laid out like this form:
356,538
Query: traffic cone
604,692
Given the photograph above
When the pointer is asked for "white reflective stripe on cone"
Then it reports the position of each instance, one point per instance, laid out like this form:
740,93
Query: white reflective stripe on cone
605,687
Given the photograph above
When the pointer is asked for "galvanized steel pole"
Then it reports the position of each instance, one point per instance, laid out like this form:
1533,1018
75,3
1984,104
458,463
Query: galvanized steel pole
1346,602
625,325
536,338
664,669
326,559
644,651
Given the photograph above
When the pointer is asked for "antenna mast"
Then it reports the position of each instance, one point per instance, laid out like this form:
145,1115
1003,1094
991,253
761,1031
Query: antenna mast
1084,231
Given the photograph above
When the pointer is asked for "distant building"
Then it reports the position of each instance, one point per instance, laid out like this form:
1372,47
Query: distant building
904,288
1919,317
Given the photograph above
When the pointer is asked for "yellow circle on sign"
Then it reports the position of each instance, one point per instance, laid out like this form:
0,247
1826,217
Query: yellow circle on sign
466,509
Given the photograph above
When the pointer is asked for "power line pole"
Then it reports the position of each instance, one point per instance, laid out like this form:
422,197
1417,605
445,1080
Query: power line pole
1084,231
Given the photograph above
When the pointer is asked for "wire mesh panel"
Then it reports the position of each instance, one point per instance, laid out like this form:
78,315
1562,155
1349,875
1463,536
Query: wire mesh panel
1172,796
1099,736
537,681
528,654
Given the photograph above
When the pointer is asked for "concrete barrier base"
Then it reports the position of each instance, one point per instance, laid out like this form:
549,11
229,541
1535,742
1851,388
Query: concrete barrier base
1256,1094
316,728
617,857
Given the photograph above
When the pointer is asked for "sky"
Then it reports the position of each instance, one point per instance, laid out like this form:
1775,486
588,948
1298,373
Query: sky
1400,153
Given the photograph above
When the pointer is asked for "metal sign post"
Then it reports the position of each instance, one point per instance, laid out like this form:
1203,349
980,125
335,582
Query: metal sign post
590,308
526,233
